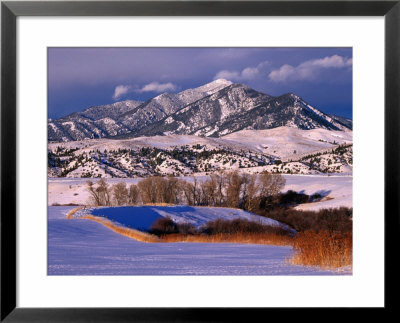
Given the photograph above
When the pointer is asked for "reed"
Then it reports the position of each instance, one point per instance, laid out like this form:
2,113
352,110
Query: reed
323,249
248,238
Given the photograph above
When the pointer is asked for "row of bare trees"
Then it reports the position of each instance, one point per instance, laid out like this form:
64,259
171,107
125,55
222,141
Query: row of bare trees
102,194
229,189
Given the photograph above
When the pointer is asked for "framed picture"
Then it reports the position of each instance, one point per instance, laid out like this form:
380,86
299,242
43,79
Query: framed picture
191,123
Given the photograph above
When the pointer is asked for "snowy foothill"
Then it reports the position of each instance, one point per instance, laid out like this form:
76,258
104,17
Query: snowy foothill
289,142
84,247
284,149
283,142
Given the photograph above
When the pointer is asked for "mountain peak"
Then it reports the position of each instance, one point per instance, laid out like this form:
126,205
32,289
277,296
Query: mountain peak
291,95
213,86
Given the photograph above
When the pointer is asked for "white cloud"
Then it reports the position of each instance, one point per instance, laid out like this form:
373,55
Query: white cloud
120,90
157,87
248,73
228,75
309,70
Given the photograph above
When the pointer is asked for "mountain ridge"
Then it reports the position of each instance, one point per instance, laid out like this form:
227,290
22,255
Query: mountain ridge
214,109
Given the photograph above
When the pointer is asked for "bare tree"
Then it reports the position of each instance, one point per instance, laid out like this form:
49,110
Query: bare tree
174,189
234,183
246,179
252,200
103,192
134,195
148,191
161,189
220,184
120,193
158,189
271,184
100,194
192,192
93,193
207,189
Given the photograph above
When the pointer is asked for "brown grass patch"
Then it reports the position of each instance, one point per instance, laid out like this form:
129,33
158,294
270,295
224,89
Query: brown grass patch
248,238
324,249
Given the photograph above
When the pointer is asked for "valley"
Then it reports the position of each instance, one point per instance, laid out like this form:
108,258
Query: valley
221,173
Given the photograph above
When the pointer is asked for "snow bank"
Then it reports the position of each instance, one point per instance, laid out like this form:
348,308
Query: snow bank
337,191
142,217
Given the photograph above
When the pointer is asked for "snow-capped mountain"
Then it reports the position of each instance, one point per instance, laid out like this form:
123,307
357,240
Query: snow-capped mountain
238,107
93,122
212,110
201,117
192,95
126,116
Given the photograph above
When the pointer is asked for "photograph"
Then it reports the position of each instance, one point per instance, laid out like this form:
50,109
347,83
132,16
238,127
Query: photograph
232,161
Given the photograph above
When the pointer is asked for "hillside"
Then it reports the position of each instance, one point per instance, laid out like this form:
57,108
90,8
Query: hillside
283,149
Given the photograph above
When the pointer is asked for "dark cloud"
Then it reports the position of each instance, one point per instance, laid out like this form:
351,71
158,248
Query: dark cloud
82,77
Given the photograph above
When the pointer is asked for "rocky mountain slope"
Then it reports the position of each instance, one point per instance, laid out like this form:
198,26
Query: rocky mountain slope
126,116
212,110
93,122
238,107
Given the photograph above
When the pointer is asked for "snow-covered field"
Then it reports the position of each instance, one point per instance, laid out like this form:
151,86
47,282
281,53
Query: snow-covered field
142,217
84,247
289,143
336,189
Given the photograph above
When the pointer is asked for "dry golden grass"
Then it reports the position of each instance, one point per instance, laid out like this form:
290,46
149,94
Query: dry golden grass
158,204
197,206
128,232
324,249
251,238
72,212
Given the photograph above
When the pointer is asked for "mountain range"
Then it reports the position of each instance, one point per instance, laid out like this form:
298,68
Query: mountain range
215,109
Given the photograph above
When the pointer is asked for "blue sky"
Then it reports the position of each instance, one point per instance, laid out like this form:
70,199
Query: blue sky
84,77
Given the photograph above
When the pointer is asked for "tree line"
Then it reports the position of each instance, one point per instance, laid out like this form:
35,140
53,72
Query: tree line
225,189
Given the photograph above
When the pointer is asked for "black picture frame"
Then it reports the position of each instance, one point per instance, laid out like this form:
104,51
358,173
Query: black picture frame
10,10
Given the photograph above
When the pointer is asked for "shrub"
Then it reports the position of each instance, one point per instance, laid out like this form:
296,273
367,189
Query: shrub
292,197
236,226
332,220
186,228
315,197
164,226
